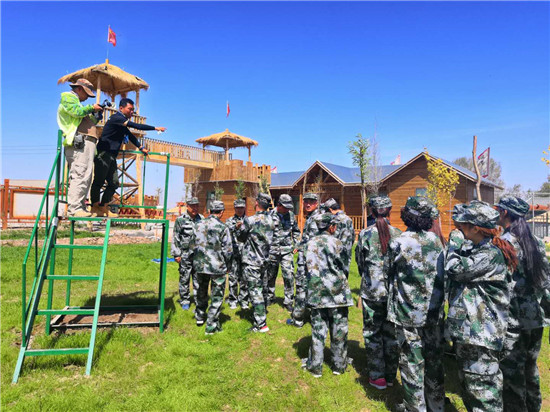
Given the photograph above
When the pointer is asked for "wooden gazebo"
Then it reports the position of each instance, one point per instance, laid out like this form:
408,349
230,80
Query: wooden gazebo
109,79
227,140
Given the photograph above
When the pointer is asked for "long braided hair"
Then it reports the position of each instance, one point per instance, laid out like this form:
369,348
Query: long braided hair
383,227
505,247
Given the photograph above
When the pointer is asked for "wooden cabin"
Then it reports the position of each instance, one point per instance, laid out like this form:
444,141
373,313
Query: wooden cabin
397,181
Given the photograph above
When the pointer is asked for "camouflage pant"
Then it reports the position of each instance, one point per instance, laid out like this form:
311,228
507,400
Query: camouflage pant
421,366
238,289
324,320
380,341
287,269
218,289
254,276
521,385
299,311
186,274
480,378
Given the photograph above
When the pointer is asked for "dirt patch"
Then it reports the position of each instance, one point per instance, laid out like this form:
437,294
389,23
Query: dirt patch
112,318
113,240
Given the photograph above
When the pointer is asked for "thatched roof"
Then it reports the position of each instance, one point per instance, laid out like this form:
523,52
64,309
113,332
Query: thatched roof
226,140
114,80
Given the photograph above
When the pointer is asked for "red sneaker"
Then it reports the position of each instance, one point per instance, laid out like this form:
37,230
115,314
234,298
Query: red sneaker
378,383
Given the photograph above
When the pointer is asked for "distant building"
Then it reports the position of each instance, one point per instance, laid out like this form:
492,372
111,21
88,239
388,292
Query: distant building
397,181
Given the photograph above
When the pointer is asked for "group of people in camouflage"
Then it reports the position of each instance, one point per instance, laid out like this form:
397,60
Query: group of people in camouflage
492,273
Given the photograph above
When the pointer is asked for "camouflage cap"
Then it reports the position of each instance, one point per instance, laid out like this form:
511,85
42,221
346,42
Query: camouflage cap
217,206
286,201
192,201
419,206
311,196
239,203
514,205
478,214
264,199
380,202
331,203
324,220
459,208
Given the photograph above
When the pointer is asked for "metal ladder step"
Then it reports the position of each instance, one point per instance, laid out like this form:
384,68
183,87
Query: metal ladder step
45,312
96,247
72,277
61,351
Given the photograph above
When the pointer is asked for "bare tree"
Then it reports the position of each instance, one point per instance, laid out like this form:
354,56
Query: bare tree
374,172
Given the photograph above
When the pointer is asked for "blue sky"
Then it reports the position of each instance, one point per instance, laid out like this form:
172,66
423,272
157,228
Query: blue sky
302,78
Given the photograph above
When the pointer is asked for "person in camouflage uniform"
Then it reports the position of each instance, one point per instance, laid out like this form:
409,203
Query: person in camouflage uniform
521,383
479,301
344,230
257,234
285,239
238,289
212,251
328,297
415,305
372,261
182,234
311,202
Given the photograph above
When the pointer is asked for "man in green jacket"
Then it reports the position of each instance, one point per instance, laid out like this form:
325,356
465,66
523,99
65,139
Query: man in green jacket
77,124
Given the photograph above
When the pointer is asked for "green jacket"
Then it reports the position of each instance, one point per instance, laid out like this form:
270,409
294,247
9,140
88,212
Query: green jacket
69,115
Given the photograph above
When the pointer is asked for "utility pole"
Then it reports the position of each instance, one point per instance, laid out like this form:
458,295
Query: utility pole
476,167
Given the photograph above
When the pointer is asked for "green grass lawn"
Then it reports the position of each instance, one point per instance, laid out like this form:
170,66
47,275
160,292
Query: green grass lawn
140,369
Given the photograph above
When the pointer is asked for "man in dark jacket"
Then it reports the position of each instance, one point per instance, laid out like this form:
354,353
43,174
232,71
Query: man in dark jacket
105,168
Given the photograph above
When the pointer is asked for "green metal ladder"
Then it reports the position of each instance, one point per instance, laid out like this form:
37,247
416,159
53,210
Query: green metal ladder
34,311
44,269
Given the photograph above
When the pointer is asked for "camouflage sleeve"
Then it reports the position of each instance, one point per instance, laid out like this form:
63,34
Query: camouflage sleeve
242,232
295,232
469,267
362,250
227,248
176,239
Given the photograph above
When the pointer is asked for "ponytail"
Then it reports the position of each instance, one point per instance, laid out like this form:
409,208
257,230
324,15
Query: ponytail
532,258
382,227
436,228
505,247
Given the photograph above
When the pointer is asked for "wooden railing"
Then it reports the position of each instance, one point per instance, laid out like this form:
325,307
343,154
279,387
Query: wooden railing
183,152
357,223
109,111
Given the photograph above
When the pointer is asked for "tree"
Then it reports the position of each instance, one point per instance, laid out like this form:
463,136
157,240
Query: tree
263,185
442,182
360,156
240,189
515,190
218,192
495,170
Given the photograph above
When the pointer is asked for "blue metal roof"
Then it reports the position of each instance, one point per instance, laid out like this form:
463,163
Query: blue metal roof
350,175
284,179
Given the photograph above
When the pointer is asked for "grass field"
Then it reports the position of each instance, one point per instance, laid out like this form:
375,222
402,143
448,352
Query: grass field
139,369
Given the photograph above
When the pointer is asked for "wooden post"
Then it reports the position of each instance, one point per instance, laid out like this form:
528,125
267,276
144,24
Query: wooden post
5,203
342,205
476,167
139,173
98,91
137,102
249,157
227,150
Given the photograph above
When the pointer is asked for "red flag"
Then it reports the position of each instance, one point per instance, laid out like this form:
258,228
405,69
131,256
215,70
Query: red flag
227,115
111,37
484,162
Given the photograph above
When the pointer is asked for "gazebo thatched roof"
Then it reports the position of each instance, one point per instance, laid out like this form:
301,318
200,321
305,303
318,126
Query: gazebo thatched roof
226,140
114,80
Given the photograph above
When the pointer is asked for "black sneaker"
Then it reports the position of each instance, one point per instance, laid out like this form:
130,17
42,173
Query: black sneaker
295,323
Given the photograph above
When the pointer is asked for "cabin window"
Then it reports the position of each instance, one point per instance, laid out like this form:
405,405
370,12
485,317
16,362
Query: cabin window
420,191
210,197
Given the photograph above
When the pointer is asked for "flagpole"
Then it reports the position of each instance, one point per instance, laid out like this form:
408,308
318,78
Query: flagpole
108,31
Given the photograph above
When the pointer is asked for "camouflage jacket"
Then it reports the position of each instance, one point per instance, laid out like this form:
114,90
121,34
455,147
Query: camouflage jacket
237,245
183,232
479,295
212,247
525,301
286,234
327,285
346,233
416,279
257,234
372,264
